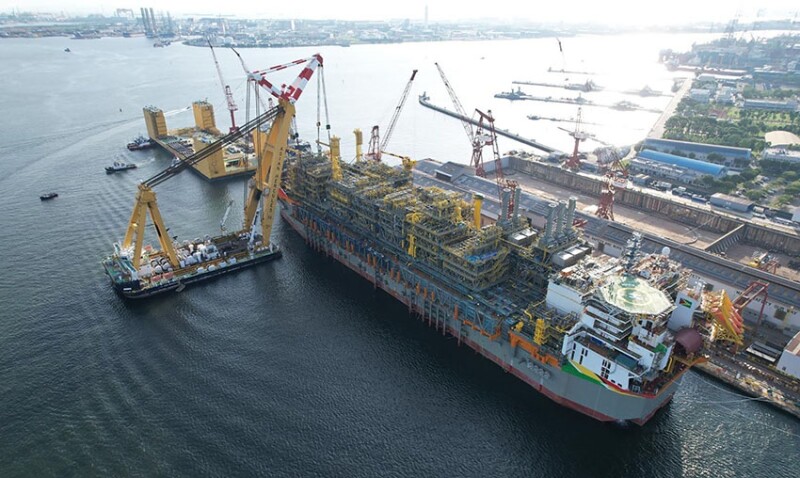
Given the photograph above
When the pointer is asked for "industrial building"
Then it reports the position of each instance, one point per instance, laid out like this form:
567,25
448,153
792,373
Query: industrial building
770,105
732,203
781,154
789,362
699,150
673,167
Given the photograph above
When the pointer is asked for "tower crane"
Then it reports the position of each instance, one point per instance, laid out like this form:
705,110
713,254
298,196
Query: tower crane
271,150
376,145
226,89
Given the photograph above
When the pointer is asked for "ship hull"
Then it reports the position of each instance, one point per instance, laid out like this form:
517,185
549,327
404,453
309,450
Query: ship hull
132,290
438,305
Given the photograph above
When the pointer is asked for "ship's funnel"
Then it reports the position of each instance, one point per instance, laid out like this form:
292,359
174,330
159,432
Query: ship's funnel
573,201
549,225
517,195
477,202
506,199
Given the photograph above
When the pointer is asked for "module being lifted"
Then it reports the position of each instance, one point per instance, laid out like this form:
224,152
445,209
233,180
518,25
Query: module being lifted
137,271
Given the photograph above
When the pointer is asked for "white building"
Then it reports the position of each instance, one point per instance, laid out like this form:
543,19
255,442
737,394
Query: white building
789,362
700,95
782,154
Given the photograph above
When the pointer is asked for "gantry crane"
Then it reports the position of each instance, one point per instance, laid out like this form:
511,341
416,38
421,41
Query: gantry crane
376,145
271,150
226,89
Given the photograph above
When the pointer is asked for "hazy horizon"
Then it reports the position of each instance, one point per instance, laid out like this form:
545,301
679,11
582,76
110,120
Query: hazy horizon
624,12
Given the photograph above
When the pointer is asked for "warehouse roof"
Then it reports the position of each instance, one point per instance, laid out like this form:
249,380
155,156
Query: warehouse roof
688,163
701,148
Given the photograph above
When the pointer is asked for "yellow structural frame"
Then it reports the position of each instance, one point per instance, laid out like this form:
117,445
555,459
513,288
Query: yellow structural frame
271,155
146,201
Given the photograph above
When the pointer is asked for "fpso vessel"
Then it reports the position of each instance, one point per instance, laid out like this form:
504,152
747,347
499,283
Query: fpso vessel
589,333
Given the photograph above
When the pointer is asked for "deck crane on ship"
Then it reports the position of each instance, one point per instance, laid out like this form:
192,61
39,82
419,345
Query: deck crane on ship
138,272
376,144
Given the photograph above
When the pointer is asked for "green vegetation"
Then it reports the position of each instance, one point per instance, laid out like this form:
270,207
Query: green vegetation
727,125
784,178
753,93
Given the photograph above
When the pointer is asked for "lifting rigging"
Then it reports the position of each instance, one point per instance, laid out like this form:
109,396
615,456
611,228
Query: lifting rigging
271,150
376,145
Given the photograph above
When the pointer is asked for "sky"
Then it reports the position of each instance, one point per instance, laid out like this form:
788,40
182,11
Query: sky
567,11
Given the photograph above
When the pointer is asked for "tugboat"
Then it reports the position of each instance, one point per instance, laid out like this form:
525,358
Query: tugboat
119,166
140,142
48,196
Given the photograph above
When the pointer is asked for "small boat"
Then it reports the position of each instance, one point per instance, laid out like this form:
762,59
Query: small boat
119,166
48,196
67,50
140,142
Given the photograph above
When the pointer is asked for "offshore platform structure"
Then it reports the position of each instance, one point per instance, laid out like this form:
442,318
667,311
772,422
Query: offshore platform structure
140,272
587,332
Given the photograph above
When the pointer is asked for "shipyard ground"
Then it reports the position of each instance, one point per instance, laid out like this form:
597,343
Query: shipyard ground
743,253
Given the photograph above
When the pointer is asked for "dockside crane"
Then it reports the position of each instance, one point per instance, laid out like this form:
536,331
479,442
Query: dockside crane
573,163
484,134
376,145
271,149
226,90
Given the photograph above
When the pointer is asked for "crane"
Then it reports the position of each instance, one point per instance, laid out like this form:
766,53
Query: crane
376,145
479,138
605,210
573,163
457,104
271,149
486,135
476,137
226,89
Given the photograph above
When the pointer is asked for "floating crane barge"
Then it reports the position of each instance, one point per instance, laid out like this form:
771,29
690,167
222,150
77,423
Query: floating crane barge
139,272
590,333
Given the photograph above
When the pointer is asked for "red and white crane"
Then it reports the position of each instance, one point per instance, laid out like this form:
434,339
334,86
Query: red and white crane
226,89
264,189
484,134
376,145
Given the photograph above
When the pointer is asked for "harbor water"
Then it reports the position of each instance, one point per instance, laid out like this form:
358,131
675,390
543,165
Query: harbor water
297,367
